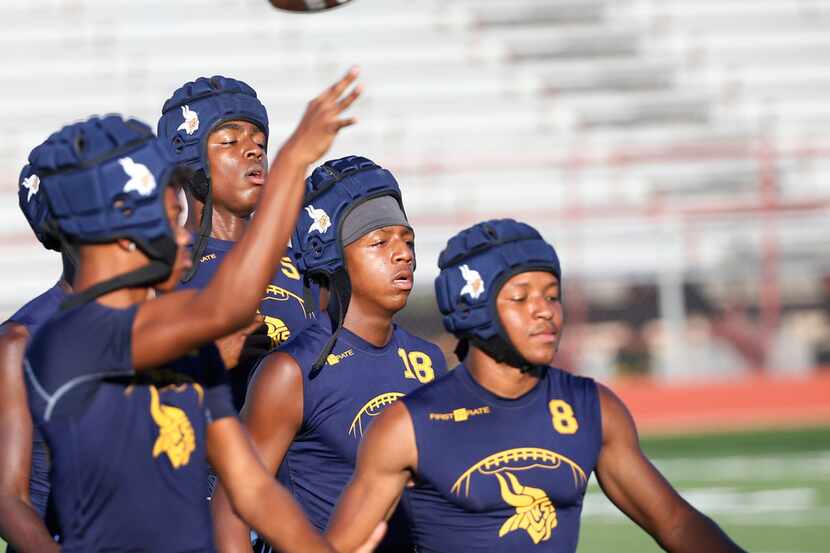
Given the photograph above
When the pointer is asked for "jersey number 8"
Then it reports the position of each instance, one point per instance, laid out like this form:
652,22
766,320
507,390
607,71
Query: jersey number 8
562,414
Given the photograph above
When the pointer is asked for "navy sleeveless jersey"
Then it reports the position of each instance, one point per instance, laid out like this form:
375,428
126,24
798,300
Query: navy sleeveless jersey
32,316
282,304
129,467
358,381
501,475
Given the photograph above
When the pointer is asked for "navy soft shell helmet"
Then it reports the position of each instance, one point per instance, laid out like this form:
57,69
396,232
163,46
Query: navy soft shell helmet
33,204
197,108
187,119
473,267
104,179
333,190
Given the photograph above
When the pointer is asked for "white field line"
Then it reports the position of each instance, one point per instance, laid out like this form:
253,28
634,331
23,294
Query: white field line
781,507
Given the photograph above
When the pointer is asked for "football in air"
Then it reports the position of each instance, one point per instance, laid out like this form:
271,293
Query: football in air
307,5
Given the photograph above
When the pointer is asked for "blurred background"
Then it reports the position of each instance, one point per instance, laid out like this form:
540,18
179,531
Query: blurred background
674,151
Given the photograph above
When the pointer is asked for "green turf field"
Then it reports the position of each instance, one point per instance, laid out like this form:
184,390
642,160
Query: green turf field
769,490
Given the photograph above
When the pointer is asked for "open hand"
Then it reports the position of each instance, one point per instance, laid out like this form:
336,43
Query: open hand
323,120
230,347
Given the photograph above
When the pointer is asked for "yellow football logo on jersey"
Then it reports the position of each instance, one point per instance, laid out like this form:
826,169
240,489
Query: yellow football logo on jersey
535,512
372,408
176,436
278,293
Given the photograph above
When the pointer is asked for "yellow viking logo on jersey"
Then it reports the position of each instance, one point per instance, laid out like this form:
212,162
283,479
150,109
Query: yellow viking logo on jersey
372,408
176,436
535,512
277,330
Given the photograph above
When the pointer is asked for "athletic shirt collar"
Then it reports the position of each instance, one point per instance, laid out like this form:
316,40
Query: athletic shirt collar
359,343
495,400
215,244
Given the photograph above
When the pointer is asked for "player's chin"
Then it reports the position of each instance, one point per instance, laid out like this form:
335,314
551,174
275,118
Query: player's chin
396,299
248,199
539,354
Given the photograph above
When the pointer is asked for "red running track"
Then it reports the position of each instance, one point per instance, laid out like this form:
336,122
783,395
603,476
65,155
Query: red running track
747,403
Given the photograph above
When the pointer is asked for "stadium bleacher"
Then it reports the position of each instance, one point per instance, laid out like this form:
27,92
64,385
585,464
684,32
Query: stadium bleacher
676,127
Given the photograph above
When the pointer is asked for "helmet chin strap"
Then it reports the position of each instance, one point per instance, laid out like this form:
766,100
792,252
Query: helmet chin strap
200,188
340,292
162,253
500,350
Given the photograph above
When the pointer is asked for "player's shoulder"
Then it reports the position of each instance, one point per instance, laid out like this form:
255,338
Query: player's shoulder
411,342
208,263
305,346
89,338
443,389
86,324
66,324
566,380
39,309
583,393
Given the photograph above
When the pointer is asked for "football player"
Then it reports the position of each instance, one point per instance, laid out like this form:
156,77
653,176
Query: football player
501,449
24,463
131,401
310,402
219,128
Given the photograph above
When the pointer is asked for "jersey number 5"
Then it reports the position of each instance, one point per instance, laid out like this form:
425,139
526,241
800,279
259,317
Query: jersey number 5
417,365
562,414
288,269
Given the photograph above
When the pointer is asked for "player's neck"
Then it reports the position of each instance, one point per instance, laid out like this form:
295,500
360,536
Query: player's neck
102,262
373,326
498,378
227,226
224,225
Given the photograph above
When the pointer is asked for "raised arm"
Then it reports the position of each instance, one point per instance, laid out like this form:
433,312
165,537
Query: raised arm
175,323
634,485
386,460
272,414
20,524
